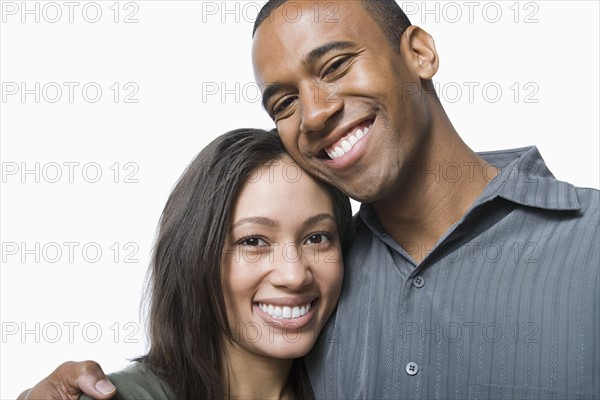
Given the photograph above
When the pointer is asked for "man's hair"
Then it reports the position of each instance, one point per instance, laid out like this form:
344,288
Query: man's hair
387,14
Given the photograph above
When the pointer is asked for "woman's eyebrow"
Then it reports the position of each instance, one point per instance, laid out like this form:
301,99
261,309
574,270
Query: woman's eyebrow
318,218
269,222
256,220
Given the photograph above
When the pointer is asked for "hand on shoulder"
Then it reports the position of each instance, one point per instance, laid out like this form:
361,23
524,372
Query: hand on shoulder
70,380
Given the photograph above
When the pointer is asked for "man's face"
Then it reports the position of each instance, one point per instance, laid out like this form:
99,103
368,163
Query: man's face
348,107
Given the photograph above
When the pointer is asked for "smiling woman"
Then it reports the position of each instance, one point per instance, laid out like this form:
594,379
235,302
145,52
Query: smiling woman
289,243
246,269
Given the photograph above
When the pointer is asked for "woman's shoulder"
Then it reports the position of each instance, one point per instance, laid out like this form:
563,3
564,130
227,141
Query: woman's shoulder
138,382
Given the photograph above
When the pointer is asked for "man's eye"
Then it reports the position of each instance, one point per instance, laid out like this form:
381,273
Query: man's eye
335,66
318,238
252,241
283,105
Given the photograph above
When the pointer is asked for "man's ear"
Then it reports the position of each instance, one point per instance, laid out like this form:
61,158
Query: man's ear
418,48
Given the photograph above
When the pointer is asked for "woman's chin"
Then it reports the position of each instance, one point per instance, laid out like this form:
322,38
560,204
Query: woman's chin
284,349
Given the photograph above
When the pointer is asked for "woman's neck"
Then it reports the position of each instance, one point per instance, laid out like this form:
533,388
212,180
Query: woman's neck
253,376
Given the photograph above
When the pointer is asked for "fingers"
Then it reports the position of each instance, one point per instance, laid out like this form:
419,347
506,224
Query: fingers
69,380
87,377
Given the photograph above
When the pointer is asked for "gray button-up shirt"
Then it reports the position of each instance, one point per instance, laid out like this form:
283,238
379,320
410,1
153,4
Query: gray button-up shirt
506,305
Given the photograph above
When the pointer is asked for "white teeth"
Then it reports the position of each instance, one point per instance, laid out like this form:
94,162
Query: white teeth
346,146
285,311
347,143
295,312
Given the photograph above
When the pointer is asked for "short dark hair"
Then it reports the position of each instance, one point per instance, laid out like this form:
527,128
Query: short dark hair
187,316
387,14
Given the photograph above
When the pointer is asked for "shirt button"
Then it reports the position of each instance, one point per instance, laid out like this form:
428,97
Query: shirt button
412,368
419,281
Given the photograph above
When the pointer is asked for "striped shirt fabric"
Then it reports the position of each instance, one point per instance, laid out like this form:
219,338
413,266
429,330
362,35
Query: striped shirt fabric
505,306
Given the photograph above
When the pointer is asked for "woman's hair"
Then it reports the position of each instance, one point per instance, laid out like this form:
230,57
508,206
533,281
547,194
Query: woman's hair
187,317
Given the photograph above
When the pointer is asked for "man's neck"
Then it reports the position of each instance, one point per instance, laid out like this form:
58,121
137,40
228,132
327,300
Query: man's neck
445,180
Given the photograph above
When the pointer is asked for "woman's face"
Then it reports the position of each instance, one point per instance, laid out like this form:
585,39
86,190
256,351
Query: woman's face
282,268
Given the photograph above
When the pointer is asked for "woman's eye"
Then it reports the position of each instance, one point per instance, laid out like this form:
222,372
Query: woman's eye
318,238
252,241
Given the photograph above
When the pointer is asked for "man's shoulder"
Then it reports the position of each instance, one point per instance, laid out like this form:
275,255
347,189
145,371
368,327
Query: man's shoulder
138,382
588,211
589,198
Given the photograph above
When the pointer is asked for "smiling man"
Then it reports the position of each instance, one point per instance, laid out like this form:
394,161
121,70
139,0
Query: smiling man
355,105
478,283
471,275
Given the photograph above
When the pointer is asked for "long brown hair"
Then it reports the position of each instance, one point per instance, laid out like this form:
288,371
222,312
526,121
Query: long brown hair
187,317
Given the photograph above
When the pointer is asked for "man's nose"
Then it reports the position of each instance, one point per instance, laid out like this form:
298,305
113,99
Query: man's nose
319,102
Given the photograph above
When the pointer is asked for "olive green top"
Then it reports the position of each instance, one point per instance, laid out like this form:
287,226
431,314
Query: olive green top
137,382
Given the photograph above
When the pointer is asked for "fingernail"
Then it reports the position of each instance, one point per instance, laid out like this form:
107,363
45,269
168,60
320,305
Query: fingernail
105,387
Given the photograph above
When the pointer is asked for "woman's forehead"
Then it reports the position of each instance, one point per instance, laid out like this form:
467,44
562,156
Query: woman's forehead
279,186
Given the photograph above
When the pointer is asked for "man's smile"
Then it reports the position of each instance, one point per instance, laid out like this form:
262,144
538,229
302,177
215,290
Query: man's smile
343,145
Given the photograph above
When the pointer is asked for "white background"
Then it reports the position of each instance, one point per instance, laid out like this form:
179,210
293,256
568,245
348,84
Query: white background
173,53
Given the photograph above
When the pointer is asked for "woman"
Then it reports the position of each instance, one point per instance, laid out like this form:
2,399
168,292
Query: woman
246,269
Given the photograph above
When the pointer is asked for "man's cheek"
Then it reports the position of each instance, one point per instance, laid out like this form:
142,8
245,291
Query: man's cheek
290,142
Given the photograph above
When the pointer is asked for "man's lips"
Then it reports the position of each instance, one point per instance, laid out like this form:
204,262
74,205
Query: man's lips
348,138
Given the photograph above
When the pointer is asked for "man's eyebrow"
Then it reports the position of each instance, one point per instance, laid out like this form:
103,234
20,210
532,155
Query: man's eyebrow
269,92
320,51
255,220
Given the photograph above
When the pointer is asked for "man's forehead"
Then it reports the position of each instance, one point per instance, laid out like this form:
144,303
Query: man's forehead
296,16
306,25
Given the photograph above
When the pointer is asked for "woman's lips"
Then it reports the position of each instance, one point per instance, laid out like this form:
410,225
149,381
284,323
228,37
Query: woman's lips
287,316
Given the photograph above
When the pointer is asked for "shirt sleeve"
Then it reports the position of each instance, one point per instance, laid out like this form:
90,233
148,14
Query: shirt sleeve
137,382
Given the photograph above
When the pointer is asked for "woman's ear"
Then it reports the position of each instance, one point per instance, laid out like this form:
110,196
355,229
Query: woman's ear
418,48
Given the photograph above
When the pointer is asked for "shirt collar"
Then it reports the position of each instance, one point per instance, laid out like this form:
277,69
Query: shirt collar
524,179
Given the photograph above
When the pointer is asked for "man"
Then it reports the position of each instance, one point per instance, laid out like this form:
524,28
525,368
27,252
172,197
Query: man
471,275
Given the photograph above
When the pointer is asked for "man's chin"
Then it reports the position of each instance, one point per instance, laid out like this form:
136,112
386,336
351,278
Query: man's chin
363,194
